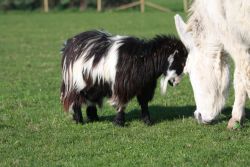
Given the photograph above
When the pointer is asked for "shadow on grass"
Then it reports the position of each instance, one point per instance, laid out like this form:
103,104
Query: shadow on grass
157,113
227,112
160,113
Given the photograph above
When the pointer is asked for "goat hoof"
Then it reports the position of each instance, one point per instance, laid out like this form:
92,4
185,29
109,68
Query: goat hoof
119,123
79,122
77,119
148,122
93,119
233,124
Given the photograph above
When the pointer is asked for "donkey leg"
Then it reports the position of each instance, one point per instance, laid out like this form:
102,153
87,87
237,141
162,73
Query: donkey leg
238,112
120,117
91,112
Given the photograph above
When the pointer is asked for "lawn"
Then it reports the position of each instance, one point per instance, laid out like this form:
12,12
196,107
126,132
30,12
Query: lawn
34,130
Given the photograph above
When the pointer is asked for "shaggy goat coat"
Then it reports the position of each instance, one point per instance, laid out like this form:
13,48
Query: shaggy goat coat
215,28
96,64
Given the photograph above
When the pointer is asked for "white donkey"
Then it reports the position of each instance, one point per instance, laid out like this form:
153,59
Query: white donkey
217,28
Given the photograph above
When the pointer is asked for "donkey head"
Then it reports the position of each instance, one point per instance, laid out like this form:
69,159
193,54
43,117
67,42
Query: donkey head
208,73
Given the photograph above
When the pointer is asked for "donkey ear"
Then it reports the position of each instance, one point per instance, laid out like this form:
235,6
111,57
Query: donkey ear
181,28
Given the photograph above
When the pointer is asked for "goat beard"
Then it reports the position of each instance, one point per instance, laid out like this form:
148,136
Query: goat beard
164,84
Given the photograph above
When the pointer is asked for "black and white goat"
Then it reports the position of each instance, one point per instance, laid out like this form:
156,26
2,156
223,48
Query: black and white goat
96,64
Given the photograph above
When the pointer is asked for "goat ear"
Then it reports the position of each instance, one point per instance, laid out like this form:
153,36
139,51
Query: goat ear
181,28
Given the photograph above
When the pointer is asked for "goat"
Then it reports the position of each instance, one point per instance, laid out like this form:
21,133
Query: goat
96,64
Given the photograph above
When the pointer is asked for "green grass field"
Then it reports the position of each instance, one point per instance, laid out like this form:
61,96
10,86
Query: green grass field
34,131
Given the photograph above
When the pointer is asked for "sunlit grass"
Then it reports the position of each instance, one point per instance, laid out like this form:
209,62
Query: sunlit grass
34,131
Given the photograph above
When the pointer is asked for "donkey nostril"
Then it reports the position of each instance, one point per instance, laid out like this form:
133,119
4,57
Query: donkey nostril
203,121
199,118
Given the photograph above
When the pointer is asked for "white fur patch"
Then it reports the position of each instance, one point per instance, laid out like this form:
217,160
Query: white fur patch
164,81
171,74
109,70
67,77
105,70
171,57
78,81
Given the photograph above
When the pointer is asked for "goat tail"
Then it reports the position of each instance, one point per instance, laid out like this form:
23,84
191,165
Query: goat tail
70,98
71,76
72,83
64,98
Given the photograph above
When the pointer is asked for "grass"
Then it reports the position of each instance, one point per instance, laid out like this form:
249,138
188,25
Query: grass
34,131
